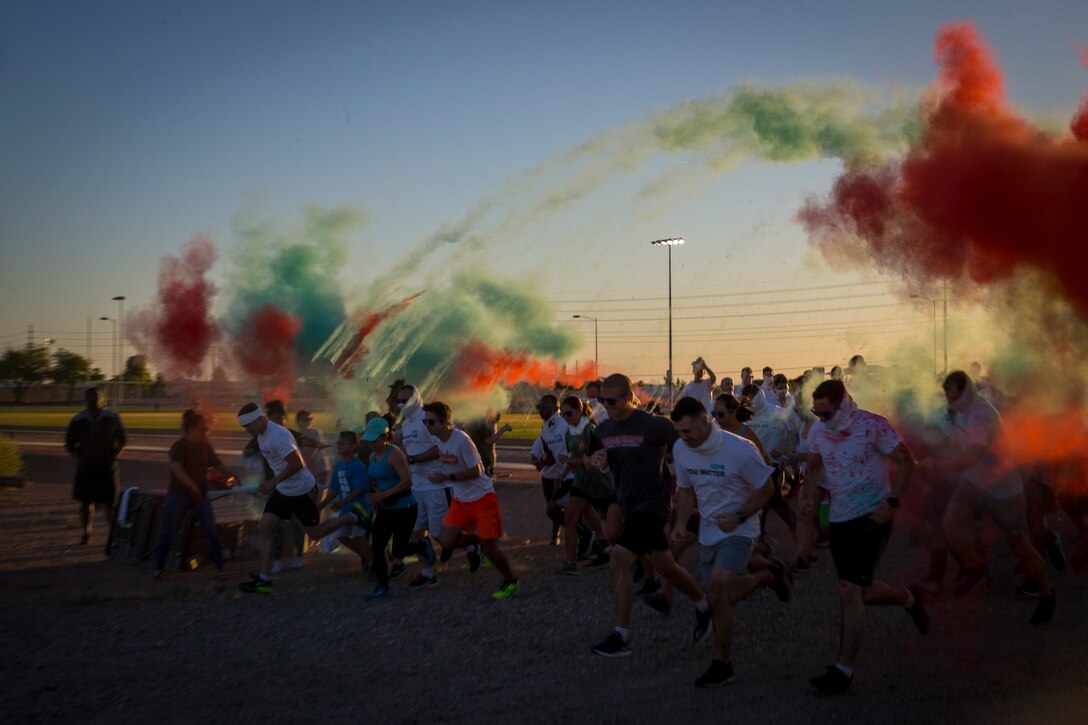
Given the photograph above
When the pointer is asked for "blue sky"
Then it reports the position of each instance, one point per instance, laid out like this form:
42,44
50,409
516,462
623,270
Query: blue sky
130,126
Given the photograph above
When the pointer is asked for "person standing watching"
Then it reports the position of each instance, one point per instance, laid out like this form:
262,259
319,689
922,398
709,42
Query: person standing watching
95,438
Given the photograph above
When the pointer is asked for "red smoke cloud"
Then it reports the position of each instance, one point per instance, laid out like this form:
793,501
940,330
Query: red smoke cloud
183,327
355,351
1079,126
265,349
479,368
981,195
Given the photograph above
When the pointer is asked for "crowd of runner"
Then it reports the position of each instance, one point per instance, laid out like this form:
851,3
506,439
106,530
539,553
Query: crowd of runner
632,490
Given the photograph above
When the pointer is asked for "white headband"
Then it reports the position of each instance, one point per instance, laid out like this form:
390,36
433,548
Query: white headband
246,418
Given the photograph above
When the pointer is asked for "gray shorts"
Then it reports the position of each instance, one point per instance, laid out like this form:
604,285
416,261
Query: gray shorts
433,506
1008,512
730,554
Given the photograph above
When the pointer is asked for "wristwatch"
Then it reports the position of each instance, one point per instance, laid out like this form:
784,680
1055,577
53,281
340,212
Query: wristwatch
893,502
411,460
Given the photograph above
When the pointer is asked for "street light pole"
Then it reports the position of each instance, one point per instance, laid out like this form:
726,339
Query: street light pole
934,303
120,300
945,326
596,348
113,345
669,243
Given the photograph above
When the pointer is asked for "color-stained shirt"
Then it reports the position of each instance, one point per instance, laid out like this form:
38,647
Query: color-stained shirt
855,462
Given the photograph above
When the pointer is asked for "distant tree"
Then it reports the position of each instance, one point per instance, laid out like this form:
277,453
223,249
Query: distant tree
22,368
69,368
219,376
136,371
96,375
158,387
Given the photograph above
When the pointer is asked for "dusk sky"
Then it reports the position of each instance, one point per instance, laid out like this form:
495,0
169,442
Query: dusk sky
129,127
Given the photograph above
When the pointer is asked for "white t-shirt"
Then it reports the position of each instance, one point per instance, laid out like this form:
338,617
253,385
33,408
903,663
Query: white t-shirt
855,463
600,415
461,446
554,434
276,444
981,426
416,439
700,390
724,471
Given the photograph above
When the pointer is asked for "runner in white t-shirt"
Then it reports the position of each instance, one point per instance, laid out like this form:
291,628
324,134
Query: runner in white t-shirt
474,518
725,474
702,387
432,500
289,488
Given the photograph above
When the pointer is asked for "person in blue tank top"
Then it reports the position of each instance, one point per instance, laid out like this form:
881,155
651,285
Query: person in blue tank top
395,507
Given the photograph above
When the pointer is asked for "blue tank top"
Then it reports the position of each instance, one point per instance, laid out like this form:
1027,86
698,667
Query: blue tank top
384,477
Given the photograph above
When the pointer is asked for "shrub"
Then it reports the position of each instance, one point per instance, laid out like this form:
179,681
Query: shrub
11,460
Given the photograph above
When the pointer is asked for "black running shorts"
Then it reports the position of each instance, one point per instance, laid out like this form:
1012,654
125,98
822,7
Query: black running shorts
285,507
856,546
644,532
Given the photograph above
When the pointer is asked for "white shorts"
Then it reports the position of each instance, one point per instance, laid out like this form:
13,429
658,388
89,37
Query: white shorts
433,506
350,530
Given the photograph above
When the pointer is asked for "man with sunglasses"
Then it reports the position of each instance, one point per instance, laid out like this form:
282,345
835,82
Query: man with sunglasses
849,453
548,456
632,444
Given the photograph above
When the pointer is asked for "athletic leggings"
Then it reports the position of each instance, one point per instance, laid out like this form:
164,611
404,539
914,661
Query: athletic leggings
396,524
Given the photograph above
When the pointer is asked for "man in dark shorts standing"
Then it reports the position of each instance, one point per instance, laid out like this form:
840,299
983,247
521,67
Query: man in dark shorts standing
632,444
95,438
850,449
290,489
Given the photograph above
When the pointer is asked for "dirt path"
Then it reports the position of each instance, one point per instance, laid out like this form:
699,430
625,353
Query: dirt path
88,640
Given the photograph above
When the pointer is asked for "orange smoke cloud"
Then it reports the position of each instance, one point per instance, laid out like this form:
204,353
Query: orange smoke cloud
1057,443
479,368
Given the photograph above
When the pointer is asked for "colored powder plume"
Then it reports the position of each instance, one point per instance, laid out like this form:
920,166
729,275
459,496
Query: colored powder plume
185,329
982,196
355,350
479,369
264,347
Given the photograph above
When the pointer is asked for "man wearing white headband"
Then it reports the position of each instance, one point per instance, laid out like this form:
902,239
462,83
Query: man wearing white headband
289,489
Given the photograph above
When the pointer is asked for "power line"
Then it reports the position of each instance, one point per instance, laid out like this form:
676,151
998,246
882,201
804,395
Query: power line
723,294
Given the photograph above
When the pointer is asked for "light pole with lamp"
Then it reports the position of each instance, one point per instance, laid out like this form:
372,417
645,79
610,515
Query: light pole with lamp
934,303
596,348
669,243
120,300
113,344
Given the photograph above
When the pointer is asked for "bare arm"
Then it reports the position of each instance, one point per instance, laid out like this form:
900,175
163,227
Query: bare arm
903,472
294,465
398,461
814,472
430,454
757,499
685,504
179,472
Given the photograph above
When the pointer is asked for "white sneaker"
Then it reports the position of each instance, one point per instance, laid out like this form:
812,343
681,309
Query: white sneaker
277,566
297,563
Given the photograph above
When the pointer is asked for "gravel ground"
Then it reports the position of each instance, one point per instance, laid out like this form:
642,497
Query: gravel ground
89,640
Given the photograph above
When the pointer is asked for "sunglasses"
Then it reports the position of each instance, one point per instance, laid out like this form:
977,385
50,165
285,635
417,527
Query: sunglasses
567,414
721,413
430,421
825,414
608,401
545,406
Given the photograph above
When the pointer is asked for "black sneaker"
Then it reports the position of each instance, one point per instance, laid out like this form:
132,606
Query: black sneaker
783,580
474,560
657,602
720,673
256,585
612,646
832,682
397,572
1028,590
446,555
1055,553
968,580
1044,610
649,586
703,622
917,611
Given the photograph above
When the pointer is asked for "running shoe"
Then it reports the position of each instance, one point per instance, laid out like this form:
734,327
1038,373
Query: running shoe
832,682
569,568
1055,552
612,646
277,566
297,563
657,602
256,585
1044,610
507,590
472,553
917,611
420,580
601,559
1028,590
703,623
428,552
968,580
783,580
720,673
649,586
379,592
397,572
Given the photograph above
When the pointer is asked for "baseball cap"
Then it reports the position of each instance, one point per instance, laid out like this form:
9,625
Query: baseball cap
375,429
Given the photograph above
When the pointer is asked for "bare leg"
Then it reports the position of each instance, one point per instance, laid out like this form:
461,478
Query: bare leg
498,558
678,575
1034,566
623,589
265,531
576,506
959,533
852,626
879,594
719,593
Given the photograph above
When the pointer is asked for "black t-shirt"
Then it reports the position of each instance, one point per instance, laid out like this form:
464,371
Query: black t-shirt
196,459
636,455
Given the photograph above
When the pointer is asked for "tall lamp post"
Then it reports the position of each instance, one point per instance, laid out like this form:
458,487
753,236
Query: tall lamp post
120,300
934,303
113,344
669,244
596,348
